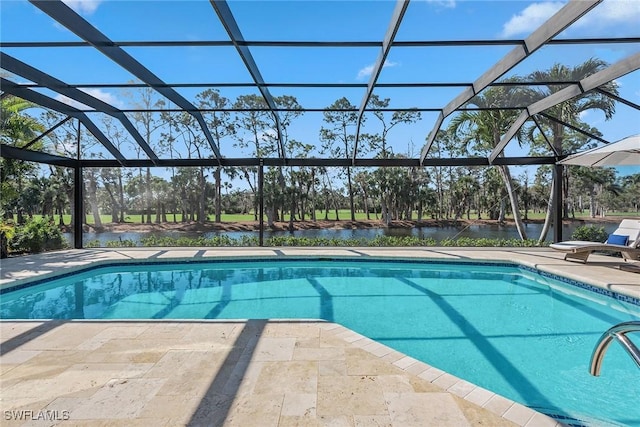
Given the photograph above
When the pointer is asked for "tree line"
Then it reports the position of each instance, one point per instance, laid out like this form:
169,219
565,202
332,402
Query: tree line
299,193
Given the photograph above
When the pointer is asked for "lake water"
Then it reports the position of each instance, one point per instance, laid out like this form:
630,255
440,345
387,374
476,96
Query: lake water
437,233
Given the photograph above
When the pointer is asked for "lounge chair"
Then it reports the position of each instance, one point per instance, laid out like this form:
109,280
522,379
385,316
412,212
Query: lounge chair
628,231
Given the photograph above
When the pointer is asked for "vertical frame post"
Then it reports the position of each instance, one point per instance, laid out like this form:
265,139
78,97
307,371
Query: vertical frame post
557,203
261,202
78,206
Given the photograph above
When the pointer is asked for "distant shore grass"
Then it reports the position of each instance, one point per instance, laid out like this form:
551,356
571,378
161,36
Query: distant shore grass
343,215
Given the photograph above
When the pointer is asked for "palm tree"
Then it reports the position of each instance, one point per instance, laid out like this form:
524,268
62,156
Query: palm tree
569,112
482,130
17,129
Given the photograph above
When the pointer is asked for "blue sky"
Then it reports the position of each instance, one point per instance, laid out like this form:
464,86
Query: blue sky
324,21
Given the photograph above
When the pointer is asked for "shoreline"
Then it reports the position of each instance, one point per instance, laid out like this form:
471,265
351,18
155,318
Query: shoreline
318,225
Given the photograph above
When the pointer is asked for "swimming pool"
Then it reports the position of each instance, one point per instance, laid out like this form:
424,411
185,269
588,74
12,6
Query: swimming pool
520,334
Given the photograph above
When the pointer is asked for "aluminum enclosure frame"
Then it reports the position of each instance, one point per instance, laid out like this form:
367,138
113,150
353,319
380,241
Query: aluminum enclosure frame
93,38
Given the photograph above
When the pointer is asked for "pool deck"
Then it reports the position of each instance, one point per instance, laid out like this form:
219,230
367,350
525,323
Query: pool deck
246,372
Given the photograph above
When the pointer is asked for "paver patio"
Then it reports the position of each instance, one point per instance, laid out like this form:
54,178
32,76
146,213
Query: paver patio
255,372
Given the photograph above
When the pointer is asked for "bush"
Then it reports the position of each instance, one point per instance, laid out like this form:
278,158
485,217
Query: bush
7,231
488,242
295,241
95,243
590,233
38,235
126,243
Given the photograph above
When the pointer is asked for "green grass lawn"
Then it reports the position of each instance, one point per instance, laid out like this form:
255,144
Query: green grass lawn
344,215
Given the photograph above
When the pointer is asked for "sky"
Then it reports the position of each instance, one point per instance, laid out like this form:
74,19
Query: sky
331,20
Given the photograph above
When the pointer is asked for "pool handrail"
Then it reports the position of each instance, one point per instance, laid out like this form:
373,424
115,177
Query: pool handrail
617,332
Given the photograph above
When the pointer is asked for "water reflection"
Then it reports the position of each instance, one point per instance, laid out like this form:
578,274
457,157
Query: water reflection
492,231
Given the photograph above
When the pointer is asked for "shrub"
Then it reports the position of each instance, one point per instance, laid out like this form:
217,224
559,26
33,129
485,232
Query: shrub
295,241
126,243
488,242
7,231
590,233
95,243
38,235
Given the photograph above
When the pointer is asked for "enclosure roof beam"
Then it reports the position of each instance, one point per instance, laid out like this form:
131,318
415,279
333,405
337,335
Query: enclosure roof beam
569,13
392,30
318,44
10,152
539,126
229,22
47,132
592,82
618,98
18,67
315,85
572,127
83,29
47,102
316,110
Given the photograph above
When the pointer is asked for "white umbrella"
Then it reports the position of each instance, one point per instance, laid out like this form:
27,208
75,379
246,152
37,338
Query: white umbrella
625,152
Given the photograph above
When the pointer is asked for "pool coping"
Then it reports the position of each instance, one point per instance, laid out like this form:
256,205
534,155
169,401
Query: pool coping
494,403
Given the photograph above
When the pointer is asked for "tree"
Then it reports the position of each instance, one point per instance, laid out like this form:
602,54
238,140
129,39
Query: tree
631,191
301,179
483,129
379,143
338,140
112,178
569,112
149,122
221,126
91,186
446,145
597,181
188,131
17,128
291,110
253,119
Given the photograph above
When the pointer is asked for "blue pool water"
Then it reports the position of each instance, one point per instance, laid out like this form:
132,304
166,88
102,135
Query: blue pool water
522,335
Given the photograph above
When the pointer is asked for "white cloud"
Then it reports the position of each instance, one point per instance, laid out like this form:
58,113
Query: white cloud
66,100
86,7
366,71
96,93
611,12
107,97
449,4
530,18
608,13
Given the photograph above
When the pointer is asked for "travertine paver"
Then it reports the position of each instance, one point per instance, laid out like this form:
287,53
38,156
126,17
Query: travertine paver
297,376
350,395
424,410
253,373
269,349
299,404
